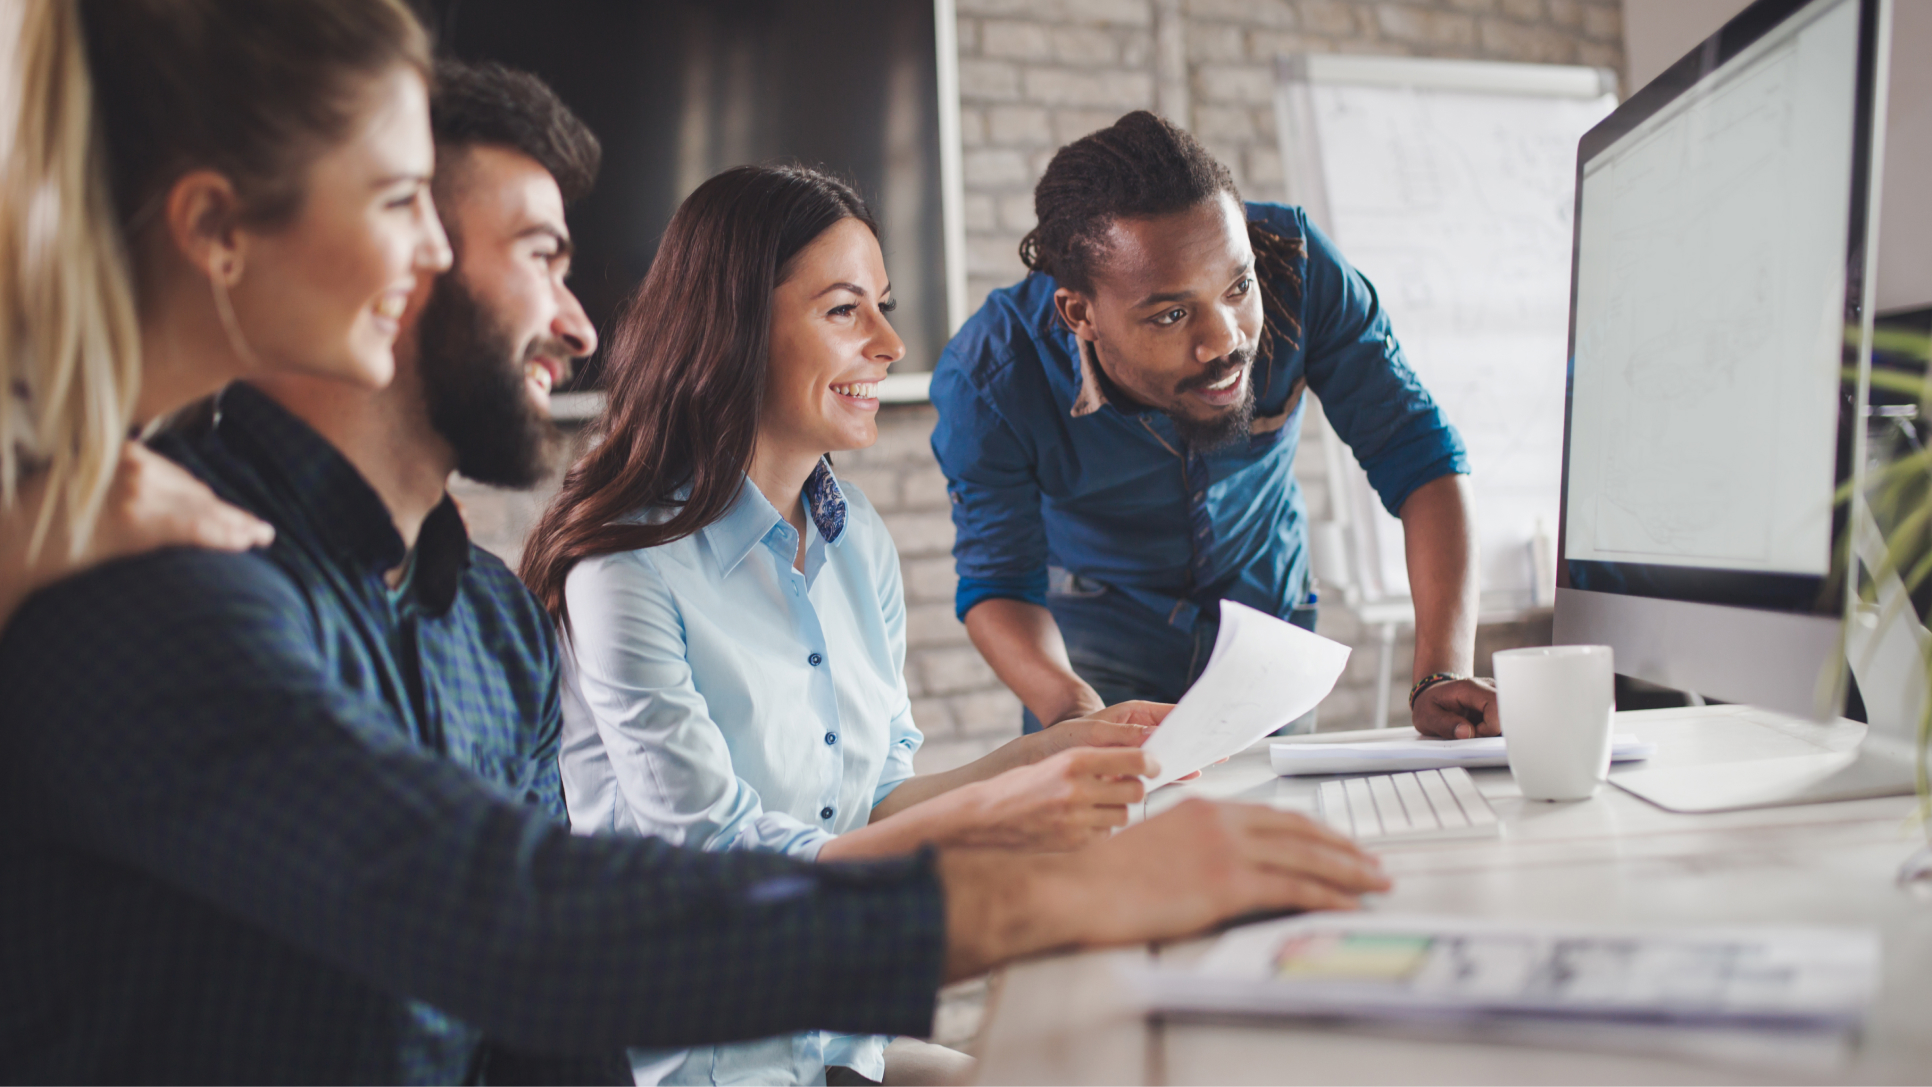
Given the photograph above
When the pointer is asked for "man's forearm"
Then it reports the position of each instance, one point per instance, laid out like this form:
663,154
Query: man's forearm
1022,643
1440,544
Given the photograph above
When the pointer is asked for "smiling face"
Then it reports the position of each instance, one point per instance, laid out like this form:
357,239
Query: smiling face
830,346
502,329
1175,317
324,294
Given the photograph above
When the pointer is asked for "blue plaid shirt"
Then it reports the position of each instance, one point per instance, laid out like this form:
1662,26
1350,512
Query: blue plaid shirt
273,822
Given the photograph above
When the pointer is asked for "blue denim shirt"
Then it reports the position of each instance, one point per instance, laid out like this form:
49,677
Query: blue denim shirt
1043,471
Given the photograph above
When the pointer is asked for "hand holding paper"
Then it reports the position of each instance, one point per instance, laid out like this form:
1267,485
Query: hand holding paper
1263,674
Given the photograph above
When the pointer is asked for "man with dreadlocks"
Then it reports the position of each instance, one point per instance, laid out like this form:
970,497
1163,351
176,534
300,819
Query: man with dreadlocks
1118,433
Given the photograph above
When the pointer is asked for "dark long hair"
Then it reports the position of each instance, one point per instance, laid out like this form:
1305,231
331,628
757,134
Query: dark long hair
687,369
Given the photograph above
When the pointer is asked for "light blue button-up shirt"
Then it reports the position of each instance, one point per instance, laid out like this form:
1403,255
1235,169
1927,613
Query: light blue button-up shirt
716,697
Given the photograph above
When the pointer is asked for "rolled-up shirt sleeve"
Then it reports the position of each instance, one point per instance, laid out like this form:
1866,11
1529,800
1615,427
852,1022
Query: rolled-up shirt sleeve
999,541
670,759
1372,398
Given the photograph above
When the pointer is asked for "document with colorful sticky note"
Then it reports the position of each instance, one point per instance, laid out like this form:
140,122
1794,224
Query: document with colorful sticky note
1421,967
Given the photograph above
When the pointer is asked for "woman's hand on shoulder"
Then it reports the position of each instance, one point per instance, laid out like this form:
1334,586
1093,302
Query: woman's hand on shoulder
155,503
152,503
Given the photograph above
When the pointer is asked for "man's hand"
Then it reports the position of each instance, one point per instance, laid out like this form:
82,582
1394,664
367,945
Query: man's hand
1458,709
1069,800
1179,873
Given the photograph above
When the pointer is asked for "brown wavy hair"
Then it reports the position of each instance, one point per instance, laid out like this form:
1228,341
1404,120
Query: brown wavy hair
686,372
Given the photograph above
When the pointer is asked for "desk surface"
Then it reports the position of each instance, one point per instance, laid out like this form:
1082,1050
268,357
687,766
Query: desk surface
1613,859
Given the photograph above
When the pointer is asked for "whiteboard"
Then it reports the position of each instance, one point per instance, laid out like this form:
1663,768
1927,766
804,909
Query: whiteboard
1451,186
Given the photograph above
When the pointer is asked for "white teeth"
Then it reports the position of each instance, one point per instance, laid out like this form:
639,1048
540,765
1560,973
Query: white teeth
391,306
1226,382
864,390
538,373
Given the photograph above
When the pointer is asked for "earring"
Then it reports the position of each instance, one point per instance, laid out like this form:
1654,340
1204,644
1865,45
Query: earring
225,309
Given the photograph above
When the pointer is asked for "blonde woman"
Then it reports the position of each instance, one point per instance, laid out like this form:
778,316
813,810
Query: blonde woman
156,241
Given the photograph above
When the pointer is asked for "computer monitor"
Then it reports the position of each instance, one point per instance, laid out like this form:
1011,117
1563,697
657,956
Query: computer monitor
1719,330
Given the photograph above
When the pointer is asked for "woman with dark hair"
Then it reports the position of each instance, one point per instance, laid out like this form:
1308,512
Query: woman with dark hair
733,611
190,191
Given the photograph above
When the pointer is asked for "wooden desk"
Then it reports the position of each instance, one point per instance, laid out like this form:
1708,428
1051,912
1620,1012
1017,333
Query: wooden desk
1613,859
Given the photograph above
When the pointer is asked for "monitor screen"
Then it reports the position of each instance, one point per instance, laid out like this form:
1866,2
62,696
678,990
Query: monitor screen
1716,223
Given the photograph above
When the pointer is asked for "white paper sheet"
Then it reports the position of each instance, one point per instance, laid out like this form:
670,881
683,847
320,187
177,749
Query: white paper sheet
1414,753
1263,674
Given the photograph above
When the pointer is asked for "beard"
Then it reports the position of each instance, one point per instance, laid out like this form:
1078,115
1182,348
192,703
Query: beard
473,385
1227,426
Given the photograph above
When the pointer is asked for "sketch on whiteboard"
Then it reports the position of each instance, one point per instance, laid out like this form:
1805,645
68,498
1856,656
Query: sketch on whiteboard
1457,205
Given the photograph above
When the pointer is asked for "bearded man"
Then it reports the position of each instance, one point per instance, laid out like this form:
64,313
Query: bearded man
1118,433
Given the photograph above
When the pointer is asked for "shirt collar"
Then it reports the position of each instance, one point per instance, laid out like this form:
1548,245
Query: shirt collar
752,517
319,486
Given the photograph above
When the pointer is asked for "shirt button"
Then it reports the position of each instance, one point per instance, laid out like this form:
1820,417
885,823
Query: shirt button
825,813
815,660
831,738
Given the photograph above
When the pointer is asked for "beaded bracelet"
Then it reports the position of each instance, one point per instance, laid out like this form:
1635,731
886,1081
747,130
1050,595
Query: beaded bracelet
1429,681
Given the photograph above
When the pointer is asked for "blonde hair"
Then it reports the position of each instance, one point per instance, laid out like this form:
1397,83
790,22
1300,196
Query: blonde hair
68,324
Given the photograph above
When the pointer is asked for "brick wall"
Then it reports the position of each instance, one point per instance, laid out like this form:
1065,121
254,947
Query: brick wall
1034,74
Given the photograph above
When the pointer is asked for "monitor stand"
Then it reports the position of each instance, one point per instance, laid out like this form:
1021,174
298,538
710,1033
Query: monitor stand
1881,765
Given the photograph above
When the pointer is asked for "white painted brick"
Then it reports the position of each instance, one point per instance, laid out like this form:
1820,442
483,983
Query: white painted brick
1604,22
1018,126
931,625
880,485
981,212
979,286
1085,46
934,718
1016,212
1071,124
1473,5
1071,87
986,167
1270,13
921,533
1263,164
988,80
994,257
930,579
1566,13
1216,43
1335,18
966,34
1600,55
1431,28
1037,162
1521,42
924,486
1014,40
1117,12
991,711
1266,45
972,126
1241,83
955,671
1136,48
1224,123
1529,11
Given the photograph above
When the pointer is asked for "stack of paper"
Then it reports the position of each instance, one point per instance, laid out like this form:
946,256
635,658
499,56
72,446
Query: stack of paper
1437,968
1412,753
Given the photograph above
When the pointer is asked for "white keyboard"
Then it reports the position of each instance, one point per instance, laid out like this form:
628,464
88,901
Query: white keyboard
1424,805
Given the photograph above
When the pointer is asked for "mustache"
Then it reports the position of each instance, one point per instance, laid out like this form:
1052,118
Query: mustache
1228,364
549,348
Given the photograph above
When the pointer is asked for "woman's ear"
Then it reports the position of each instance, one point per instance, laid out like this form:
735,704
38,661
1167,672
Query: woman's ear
203,214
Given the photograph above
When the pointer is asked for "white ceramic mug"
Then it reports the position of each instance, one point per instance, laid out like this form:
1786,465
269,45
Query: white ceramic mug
1556,703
